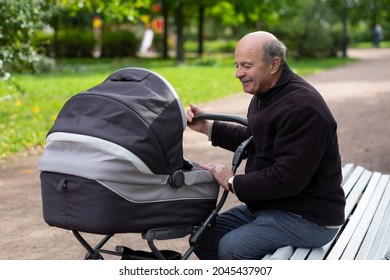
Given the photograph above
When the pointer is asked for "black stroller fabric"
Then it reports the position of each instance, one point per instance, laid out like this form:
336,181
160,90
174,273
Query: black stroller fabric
134,109
111,153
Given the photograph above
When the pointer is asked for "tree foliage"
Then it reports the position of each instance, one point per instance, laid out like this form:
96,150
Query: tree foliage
308,27
111,10
18,21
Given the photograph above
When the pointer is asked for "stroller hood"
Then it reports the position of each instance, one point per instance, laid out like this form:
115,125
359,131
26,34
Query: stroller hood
133,108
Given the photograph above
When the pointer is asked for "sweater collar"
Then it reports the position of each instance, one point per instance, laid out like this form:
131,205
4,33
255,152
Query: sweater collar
284,78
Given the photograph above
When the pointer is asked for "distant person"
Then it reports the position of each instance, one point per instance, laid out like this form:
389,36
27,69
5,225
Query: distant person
147,41
291,190
377,35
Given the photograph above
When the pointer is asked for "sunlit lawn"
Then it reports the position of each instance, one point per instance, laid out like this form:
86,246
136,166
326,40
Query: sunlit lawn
26,117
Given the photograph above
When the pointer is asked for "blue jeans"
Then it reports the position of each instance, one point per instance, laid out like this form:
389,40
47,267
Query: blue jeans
242,234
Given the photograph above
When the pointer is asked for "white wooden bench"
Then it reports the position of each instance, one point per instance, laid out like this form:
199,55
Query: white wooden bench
366,231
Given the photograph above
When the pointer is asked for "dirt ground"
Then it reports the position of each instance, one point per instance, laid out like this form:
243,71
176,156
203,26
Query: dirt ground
358,95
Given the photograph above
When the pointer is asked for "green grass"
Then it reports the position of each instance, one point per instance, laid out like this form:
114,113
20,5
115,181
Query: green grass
368,45
26,117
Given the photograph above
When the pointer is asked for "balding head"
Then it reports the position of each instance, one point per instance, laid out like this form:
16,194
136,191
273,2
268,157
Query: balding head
264,43
259,36
259,57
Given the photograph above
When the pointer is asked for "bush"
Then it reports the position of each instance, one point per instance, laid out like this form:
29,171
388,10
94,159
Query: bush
313,42
216,46
119,43
80,43
360,33
315,32
45,64
73,43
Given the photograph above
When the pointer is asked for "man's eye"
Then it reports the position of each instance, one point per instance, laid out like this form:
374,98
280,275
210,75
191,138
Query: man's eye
245,66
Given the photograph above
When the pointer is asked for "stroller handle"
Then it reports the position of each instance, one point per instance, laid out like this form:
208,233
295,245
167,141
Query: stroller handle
240,154
243,150
221,117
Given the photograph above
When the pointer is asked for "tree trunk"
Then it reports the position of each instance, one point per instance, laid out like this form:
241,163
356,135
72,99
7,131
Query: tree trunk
165,9
200,30
179,33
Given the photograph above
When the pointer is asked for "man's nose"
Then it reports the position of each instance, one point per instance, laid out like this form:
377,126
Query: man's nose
239,73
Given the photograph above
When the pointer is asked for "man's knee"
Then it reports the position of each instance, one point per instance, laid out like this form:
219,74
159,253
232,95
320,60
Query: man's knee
238,247
226,249
233,247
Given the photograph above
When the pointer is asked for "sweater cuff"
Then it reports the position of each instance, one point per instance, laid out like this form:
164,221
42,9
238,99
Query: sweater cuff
210,130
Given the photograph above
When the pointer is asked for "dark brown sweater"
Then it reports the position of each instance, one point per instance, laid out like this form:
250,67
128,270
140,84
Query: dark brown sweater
294,164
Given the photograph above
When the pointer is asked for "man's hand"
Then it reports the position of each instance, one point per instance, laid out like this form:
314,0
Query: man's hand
220,172
201,126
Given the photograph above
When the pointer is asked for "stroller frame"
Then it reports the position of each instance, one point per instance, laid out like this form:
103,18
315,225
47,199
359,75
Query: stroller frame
175,232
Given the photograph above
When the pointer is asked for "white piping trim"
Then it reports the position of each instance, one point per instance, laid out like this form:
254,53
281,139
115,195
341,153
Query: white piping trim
102,145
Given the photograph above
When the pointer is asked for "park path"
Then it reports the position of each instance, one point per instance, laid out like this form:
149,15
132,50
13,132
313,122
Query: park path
358,95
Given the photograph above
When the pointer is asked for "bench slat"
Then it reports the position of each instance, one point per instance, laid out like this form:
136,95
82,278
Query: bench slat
283,253
300,254
355,194
354,220
351,175
364,223
267,257
366,232
352,179
385,246
357,175
346,171
375,223
356,183
381,237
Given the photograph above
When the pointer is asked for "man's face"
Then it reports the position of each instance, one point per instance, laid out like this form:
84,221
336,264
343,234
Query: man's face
251,70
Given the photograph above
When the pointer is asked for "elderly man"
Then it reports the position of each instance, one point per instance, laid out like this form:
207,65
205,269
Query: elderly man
291,189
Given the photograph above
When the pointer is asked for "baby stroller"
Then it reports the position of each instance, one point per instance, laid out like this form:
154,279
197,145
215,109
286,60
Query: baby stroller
113,163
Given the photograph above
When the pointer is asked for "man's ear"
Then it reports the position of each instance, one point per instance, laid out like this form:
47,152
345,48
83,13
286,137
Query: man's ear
275,65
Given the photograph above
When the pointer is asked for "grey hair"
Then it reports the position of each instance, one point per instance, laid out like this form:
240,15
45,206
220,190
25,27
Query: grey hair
274,48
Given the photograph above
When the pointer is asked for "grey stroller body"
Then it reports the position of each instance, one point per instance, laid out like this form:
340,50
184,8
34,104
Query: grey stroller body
113,163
